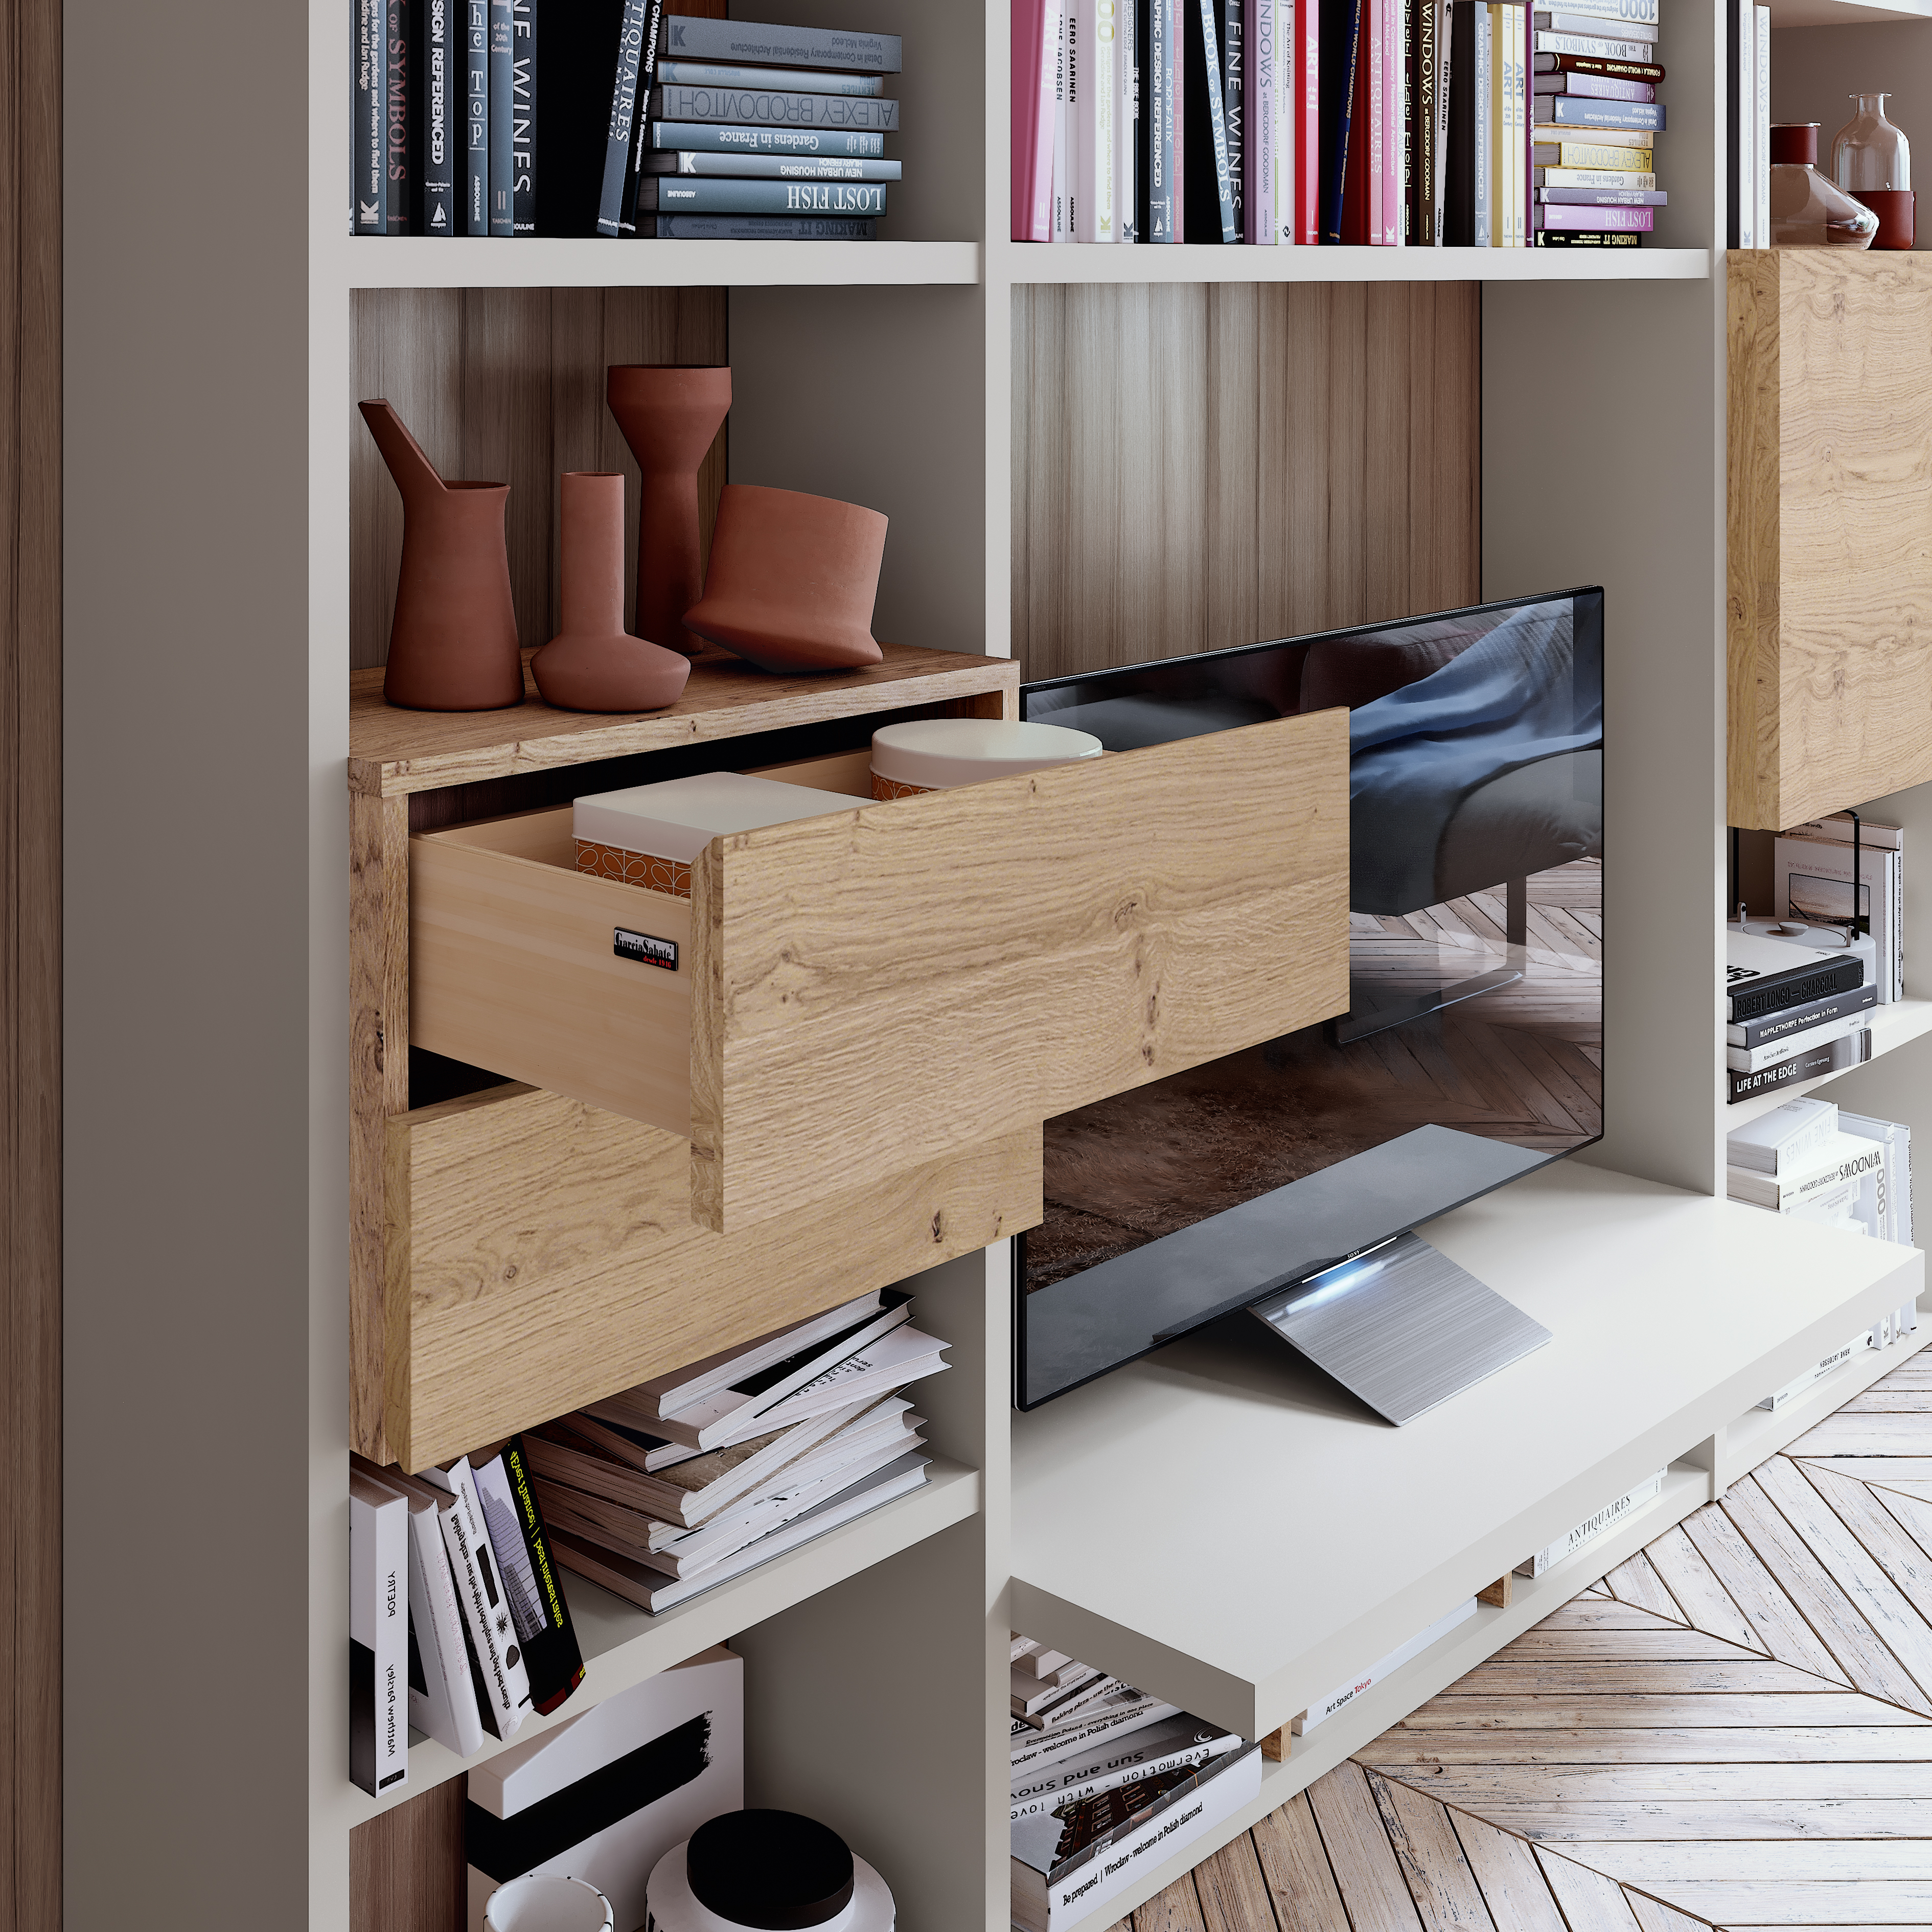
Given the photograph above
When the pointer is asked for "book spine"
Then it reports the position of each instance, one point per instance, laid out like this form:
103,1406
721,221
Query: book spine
757,107
1773,1052
1603,197
1593,29
648,59
1591,68
1761,142
557,1663
434,98
503,1689
523,119
1562,110
1394,166
754,228
770,167
700,138
368,183
1093,182
1553,238
1287,101
1519,22
1423,73
1063,127
1590,47
476,117
379,1661
1235,89
1854,1050
1026,16
682,195
1375,175
400,106
445,1710
1127,119
703,73
1164,74
1482,90
689,37
1217,123
1131,1772
1636,220
503,101
613,205
1346,65
1596,87
1258,223
1444,43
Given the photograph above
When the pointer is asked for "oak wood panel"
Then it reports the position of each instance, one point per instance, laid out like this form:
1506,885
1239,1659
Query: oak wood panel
407,1870
1830,549
31,484
945,969
1198,466
508,386
392,752
548,1257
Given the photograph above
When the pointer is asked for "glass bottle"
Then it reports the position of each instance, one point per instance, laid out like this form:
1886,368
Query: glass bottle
1868,151
1807,210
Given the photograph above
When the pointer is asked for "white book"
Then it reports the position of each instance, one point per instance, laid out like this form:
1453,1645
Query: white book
1258,164
1040,1662
1788,1135
1894,1138
1845,1164
1145,1753
1033,1750
1587,1531
378,1636
1345,1693
879,1368
1066,1706
1093,203
1761,143
1049,1898
1593,47
505,1683
442,1693
1126,119
1774,1052
1030,1694
1874,834
1021,1646
1578,22
1811,880
1063,131
652,1590
1818,1370
1745,133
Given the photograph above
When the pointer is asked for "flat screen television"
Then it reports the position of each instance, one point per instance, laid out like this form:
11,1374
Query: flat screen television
1471,1052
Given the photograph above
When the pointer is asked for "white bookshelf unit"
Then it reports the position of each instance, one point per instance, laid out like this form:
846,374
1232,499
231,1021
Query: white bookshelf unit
1275,1536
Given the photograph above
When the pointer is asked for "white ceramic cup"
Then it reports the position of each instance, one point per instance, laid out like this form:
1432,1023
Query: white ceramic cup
541,1903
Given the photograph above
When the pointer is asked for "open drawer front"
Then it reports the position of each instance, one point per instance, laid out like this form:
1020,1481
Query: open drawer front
856,994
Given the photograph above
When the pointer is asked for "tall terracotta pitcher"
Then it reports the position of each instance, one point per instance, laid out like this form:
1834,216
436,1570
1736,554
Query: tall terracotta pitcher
453,643
670,416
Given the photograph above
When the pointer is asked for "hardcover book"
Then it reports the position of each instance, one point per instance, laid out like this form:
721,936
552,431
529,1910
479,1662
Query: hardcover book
503,105
401,107
752,43
437,120
771,107
758,228
379,1616
524,117
476,117
369,175
1209,184
660,195
1854,1050
705,138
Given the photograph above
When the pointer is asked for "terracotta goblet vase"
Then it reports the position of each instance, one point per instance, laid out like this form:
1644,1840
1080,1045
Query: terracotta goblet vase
453,643
591,665
793,580
670,416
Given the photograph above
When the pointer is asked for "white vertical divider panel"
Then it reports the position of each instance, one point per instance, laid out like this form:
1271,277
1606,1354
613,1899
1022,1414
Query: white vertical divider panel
877,1706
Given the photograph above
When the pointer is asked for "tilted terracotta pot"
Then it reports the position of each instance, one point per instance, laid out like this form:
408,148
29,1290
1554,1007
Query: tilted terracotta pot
591,665
793,580
670,416
453,643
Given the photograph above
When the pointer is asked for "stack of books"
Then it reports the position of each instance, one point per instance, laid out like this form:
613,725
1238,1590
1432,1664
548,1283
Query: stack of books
767,133
1387,123
1107,1783
1794,1010
604,117
675,1485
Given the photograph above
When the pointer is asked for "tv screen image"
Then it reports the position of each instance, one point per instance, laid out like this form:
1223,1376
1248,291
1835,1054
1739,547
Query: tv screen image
1472,1049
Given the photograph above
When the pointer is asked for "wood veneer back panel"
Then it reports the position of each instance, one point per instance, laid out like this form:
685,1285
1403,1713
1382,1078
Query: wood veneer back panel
407,1870
1198,466
507,384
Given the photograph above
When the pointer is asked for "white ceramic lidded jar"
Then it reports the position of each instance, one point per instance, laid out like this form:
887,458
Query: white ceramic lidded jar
937,753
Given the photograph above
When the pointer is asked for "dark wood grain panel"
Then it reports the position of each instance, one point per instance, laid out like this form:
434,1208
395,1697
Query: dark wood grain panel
405,1868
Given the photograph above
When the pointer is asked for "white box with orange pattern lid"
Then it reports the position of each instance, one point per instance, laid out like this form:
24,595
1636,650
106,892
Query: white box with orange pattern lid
937,753
648,835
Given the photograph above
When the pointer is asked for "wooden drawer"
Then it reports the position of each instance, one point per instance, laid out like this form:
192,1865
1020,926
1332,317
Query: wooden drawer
856,996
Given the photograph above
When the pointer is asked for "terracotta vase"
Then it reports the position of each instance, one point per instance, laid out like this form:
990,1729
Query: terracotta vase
793,580
670,416
591,665
453,643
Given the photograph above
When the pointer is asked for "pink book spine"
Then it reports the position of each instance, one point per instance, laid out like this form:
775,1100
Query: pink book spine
1375,18
1308,122
1392,65
1642,220
1596,87
1036,34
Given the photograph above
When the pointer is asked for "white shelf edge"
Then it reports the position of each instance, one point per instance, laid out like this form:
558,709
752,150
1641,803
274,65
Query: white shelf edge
1842,14
1895,1025
1425,1676
474,261
1024,263
622,1645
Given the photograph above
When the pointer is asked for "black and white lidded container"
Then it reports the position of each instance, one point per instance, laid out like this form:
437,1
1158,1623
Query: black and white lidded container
765,1871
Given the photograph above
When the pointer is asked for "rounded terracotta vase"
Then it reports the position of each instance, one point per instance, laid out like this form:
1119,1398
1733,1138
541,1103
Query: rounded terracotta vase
453,641
793,580
591,665
670,415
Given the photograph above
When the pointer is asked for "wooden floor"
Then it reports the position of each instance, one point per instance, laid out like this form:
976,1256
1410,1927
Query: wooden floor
1734,1728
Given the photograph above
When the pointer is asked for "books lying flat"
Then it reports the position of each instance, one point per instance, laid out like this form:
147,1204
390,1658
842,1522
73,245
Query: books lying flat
1766,975
1173,1743
1113,1717
653,1591
1066,1869
1837,1159
1344,1694
1854,1050
1786,1137
1031,1694
749,106
1810,1378
771,167
1788,1046
1066,1706
685,37
1591,1527
756,228
659,194
1798,1019
710,137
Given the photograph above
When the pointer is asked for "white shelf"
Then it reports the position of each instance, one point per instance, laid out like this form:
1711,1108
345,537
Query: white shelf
1892,1027
473,261
1841,13
1023,262
622,1645
1332,1537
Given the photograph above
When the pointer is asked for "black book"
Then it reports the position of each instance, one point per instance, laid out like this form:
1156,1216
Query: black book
640,118
368,92
1161,215
523,117
1585,237
757,227
1467,117
587,94
433,118
1231,21
1343,47
502,106
1208,194
1769,976
1426,68
1781,1025
476,117
657,195
399,58
533,1583
1854,1049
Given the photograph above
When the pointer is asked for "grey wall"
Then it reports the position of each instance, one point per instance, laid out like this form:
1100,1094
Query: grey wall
187,972
1815,70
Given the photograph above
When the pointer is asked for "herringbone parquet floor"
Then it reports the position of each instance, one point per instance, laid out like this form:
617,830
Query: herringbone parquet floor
1732,1730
